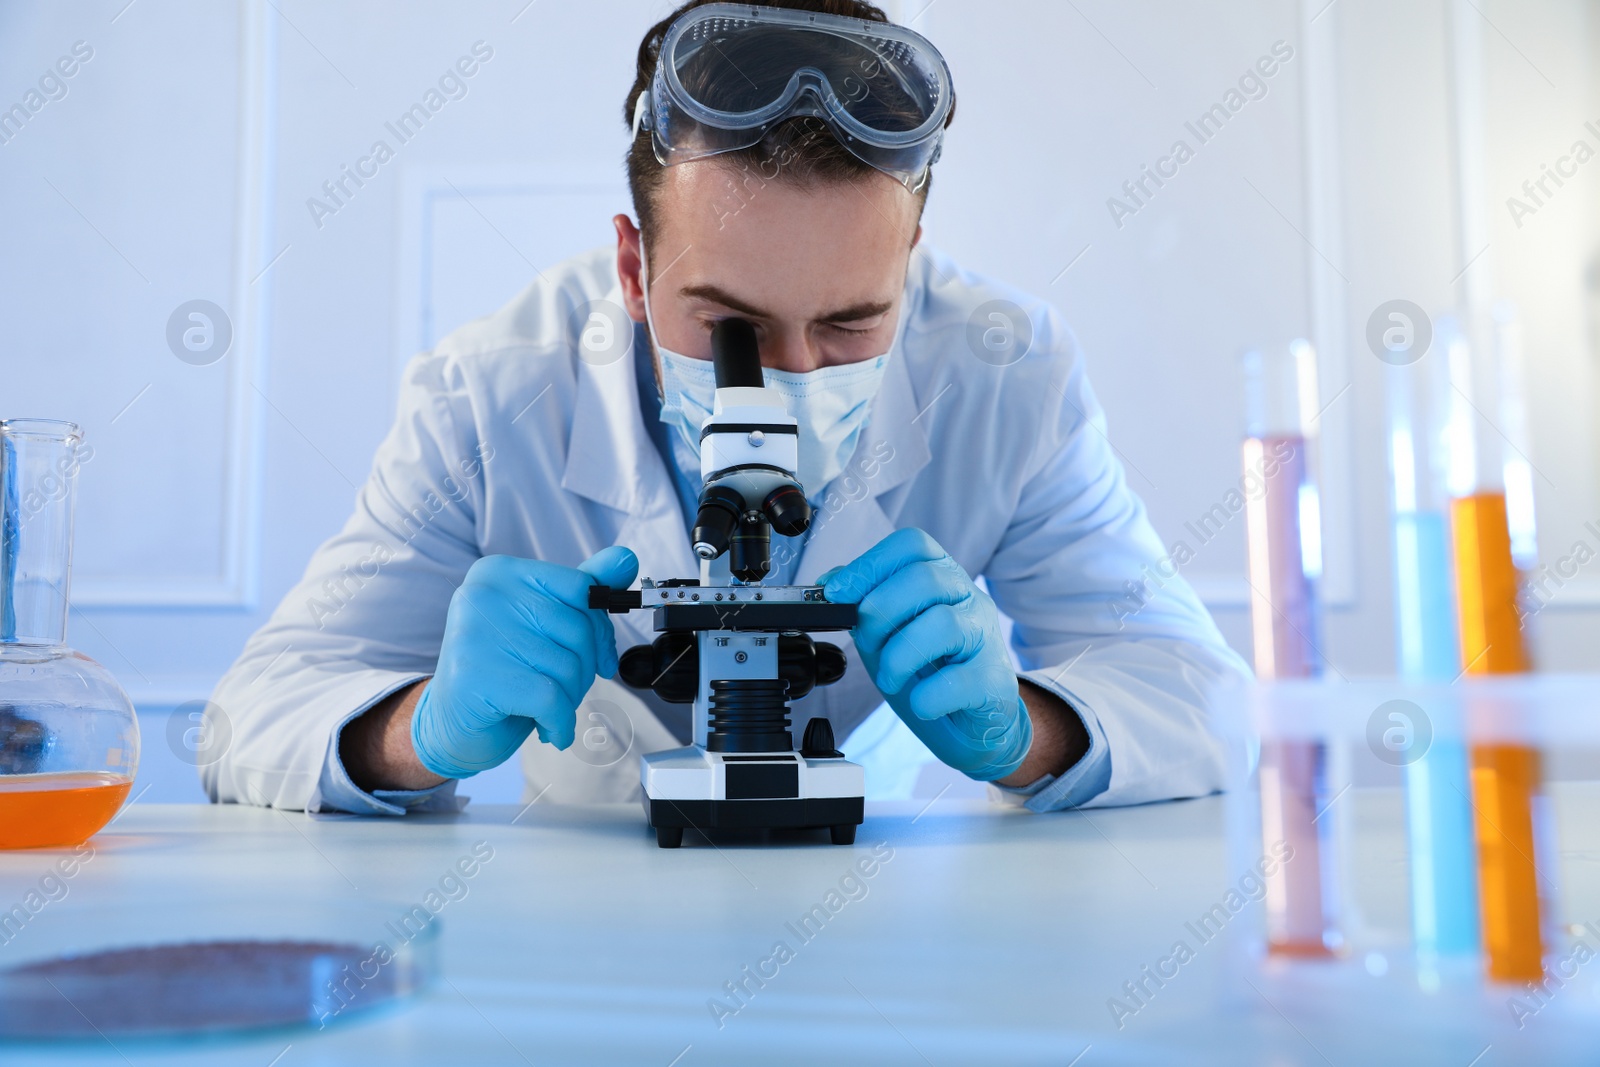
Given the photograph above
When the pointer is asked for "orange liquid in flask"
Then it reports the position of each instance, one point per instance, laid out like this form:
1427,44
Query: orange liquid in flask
57,810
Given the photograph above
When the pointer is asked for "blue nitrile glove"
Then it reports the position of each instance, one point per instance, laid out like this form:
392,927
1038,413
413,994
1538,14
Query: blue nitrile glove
521,648
930,639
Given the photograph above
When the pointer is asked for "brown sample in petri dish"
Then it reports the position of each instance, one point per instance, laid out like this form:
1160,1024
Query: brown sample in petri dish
196,987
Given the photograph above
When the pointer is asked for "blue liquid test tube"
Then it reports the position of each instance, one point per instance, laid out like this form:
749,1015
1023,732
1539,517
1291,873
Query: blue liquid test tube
1439,824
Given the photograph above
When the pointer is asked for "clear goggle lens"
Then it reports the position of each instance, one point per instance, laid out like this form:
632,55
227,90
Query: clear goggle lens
729,73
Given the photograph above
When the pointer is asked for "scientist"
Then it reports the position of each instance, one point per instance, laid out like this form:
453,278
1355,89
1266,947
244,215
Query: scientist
947,430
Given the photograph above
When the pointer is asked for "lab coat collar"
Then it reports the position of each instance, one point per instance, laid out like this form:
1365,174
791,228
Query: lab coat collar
612,460
895,429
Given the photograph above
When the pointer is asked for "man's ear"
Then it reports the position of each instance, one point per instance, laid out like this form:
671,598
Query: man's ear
629,264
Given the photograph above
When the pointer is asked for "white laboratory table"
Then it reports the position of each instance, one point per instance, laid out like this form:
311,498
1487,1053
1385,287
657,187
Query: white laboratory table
990,936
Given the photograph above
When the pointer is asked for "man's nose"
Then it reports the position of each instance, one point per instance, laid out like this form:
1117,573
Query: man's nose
790,351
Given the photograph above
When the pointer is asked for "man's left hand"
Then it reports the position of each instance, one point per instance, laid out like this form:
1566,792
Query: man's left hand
930,639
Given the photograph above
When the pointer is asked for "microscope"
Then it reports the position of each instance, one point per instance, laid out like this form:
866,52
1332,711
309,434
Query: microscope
740,651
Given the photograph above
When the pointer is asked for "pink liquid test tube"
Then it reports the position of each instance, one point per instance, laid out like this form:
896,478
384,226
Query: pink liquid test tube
1285,544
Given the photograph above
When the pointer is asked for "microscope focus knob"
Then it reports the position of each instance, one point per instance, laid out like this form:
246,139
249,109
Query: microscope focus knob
637,666
818,741
666,665
830,663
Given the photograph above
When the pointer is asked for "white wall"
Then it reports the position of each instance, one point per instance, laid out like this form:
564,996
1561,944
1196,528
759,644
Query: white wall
179,165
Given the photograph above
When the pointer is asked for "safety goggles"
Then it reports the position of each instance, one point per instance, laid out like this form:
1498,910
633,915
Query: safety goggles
728,73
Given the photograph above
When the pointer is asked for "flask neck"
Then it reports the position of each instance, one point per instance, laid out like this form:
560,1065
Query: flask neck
39,462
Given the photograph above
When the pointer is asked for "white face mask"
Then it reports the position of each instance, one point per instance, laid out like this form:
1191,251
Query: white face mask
831,404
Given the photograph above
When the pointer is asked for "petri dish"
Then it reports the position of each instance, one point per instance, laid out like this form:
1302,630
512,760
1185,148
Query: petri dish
210,967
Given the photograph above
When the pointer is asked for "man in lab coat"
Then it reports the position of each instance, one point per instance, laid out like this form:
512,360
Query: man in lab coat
947,431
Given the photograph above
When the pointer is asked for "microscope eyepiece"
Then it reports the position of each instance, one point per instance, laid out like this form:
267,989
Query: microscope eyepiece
736,355
748,460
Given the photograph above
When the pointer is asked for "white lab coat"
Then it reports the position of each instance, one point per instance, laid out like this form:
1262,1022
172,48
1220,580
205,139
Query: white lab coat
506,441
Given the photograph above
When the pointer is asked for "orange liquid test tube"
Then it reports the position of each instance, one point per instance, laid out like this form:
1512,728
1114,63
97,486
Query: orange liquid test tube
1505,782
1506,777
1486,586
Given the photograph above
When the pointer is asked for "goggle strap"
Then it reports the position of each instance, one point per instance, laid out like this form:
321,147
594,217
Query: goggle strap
641,108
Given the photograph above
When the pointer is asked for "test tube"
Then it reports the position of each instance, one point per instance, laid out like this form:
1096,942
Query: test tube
1516,469
1486,574
1439,828
1506,775
1420,412
1284,530
1507,790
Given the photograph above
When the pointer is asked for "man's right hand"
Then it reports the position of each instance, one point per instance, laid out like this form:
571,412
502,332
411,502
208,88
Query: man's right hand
521,648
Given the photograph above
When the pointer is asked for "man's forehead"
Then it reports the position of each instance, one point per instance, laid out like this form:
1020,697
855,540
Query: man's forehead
847,306
817,248
787,287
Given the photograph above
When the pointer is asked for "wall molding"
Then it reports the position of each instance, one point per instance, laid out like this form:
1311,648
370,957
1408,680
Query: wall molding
422,188
1328,303
237,587
161,694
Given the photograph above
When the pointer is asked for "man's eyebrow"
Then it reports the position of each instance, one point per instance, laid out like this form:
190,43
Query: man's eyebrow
717,295
857,312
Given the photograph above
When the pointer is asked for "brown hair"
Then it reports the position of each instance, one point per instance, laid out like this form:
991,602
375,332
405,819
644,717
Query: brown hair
806,147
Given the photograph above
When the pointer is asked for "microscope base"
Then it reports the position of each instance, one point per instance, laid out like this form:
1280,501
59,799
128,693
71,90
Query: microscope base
839,815
692,789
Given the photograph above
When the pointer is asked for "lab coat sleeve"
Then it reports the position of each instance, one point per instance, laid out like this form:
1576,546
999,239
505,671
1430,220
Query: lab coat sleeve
1103,619
1074,787
366,619
340,793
